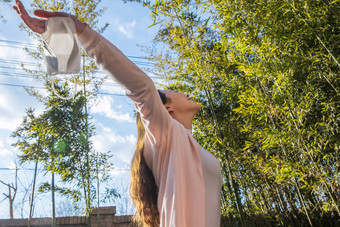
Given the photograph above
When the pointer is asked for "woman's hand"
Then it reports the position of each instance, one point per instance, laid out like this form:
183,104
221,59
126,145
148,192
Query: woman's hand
38,25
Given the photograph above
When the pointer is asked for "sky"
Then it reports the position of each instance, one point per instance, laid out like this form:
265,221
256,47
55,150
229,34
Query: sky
112,114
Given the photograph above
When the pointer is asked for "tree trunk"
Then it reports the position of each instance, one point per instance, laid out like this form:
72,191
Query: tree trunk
10,196
236,191
88,201
53,203
32,195
10,202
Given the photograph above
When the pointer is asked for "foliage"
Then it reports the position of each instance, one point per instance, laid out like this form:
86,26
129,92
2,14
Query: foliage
267,76
59,139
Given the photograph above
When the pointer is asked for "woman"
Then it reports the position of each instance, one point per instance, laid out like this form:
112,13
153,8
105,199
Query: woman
174,181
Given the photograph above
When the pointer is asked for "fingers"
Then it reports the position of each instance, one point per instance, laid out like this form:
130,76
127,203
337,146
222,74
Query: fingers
16,9
20,9
47,14
36,25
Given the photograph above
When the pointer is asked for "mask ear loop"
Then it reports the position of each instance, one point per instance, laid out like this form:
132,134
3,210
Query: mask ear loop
75,79
62,97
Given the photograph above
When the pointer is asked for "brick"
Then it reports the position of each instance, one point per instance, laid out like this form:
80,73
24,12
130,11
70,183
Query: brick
107,219
104,210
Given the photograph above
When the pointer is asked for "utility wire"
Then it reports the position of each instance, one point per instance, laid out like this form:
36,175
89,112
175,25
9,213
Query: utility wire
18,44
28,86
30,169
141,63
6,61
18,75
18,85
24,44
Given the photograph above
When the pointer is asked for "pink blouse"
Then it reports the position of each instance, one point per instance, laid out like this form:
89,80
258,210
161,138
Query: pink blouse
188,177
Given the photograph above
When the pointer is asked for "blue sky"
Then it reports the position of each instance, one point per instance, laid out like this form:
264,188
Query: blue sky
112,115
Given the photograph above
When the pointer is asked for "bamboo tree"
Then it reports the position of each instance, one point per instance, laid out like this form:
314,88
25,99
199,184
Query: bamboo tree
266,73
32,193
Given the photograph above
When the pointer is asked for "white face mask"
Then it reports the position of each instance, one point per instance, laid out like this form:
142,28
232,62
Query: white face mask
61,49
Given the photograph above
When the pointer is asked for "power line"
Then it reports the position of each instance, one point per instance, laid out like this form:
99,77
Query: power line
19,75
6,61
24,44
108,82
28,86
18,85
141,63
18,44
8,67
39,169
15,75
10,74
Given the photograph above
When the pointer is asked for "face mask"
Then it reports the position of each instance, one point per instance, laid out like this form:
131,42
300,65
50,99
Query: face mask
62,54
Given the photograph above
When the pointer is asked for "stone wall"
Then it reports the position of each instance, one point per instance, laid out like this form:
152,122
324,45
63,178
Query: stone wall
107,218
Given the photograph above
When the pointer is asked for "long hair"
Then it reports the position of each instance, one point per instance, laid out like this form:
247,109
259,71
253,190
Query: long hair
143,189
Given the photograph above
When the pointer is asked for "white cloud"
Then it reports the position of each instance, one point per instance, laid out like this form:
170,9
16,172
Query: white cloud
121,146
105,107
12,165
10,140
3,103
6,155
111,87
106,138
16,52
14,101
9,53
9,123
5,152
9,117
126,28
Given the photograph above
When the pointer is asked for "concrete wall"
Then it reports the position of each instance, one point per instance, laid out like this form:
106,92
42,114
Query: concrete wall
107,218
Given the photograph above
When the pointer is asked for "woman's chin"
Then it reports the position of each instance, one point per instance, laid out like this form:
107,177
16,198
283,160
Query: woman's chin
198,108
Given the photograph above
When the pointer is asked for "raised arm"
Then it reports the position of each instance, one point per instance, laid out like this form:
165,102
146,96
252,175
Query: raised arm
138,86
